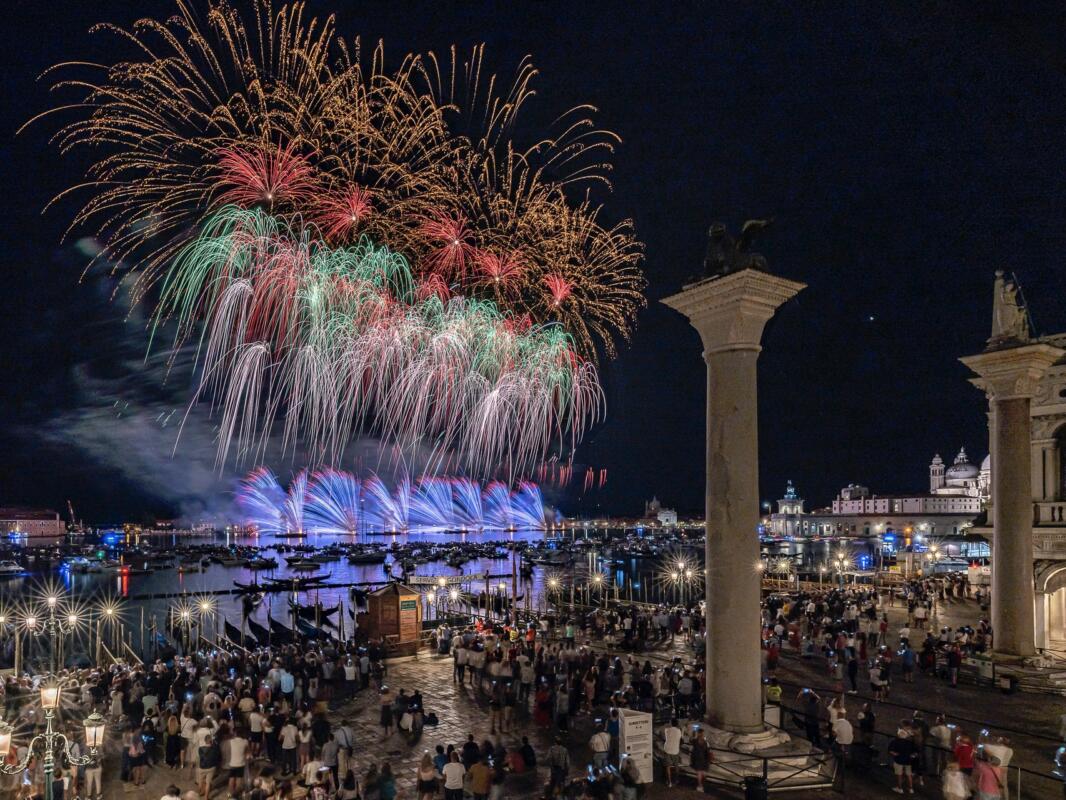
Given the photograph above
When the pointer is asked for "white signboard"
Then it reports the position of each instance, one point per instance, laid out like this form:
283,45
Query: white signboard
635,739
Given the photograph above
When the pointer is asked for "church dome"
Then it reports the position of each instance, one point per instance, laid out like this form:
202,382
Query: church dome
962,469
986,465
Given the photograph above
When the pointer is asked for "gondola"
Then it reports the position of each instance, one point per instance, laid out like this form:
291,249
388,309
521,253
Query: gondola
301,583
358,596
366,558
249,602
261,634
235,635
283,632
308,612
248,588
309,631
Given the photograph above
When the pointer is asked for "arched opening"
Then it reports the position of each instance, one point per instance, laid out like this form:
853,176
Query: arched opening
1056,620
1051,605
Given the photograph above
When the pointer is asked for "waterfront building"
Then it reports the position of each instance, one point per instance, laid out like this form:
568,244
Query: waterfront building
655,513
31,523
789,517
958,496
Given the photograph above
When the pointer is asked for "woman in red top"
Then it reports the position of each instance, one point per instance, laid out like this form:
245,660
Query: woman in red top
964,753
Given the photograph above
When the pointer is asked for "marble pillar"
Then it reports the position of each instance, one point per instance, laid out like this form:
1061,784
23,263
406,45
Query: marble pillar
730,312
1009,377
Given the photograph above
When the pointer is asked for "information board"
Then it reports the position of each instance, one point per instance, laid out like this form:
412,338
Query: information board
635,739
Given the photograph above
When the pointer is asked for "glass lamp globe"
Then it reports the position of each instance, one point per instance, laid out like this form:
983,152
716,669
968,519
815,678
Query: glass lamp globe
50,697
94,730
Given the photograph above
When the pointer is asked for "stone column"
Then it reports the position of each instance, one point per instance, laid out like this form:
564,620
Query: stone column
1009,376
1045,469
730,312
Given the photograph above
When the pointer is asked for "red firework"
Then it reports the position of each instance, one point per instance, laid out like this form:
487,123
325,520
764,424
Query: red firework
518,324
452,248
264,176
338,215
558,287
500,272
433,285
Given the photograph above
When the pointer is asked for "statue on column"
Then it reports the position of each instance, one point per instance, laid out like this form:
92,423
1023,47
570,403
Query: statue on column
726,255
1010,319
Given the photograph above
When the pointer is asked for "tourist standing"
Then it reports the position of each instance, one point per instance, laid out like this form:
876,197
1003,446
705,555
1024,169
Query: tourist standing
288,738
700,757
956,784
427,777
385,701
454,774
902,751
480,779
208,757
671,749
985,778
600,745
238,761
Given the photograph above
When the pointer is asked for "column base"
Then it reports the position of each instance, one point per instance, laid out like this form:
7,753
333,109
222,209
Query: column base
765,739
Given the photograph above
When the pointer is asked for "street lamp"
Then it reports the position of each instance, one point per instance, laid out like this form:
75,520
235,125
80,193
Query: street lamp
597,581
52,742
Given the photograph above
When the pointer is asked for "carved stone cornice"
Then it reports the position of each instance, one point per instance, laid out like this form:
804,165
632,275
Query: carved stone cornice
1012,372
730,311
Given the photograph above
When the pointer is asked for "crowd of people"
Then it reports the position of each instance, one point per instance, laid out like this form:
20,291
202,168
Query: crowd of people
275,723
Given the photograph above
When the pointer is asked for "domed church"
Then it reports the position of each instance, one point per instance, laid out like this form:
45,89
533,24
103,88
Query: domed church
962,478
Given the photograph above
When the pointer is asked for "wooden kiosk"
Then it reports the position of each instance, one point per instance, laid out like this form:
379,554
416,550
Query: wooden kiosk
394,612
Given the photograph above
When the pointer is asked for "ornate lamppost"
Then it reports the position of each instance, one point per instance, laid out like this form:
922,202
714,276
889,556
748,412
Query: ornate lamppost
52,743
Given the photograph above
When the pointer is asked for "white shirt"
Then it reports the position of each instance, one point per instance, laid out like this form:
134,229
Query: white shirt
188,727
288,737
255,722
600,742
311,776
1001,752
453,775
238,749
843,732
672,741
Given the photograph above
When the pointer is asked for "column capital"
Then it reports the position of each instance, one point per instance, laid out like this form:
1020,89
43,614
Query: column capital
1012,372
730,311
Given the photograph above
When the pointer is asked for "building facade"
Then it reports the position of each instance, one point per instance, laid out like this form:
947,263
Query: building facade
31,523
958,495
1047,449
654,513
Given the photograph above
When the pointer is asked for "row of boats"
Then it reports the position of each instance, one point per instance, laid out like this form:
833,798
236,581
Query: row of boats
398,557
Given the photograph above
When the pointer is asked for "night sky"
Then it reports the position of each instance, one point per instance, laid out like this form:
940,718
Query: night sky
906,151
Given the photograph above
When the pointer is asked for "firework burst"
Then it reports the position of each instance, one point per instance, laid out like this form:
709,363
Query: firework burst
510,289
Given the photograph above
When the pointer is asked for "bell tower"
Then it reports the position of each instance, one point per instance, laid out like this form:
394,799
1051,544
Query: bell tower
936,474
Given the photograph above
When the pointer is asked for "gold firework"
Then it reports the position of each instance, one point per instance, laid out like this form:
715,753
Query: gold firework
207,107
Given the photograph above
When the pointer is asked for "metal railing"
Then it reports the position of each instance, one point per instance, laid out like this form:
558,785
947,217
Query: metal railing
781,773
